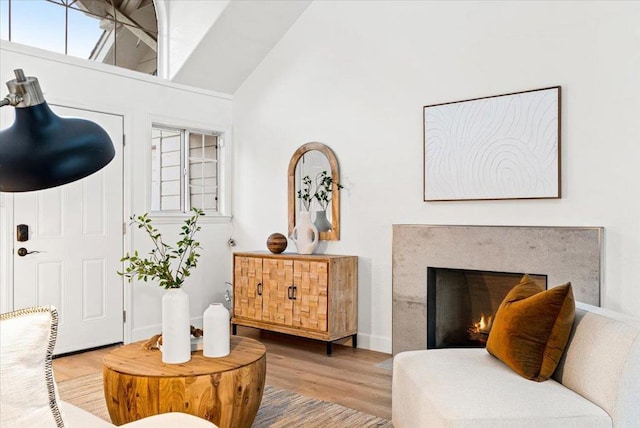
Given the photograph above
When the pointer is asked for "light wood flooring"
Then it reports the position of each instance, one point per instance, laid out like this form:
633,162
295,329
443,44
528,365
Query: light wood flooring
350,377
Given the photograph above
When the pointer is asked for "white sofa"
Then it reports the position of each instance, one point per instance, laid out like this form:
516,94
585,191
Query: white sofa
75,417
597,383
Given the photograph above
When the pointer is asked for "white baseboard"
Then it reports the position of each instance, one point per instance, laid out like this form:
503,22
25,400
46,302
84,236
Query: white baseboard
374,343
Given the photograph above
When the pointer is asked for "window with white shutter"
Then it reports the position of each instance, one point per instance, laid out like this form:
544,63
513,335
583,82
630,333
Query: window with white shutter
184,170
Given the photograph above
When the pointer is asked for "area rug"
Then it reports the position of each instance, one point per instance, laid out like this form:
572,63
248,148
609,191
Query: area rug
279,409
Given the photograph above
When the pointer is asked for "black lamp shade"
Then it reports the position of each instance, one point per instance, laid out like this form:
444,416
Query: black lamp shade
41,150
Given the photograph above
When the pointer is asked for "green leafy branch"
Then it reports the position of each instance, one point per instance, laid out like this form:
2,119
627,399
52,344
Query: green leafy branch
304,194
167,264
324,189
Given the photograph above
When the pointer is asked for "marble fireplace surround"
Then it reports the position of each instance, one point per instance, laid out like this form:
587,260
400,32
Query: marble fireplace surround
562,253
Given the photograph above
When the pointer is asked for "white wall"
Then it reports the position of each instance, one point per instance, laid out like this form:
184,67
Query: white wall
355,75
140,99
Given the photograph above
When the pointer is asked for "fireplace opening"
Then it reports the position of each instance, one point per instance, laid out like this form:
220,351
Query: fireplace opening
461,304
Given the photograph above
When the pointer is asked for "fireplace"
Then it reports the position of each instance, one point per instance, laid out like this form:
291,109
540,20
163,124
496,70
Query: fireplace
461,304
562,253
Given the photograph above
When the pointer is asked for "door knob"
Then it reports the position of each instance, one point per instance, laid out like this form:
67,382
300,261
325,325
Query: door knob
23,252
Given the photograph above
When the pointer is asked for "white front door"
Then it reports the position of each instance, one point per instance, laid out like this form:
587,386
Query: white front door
75,245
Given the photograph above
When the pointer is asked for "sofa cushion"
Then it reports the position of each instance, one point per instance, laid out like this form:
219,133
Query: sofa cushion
468,388
531,328
27,390
170,420
77,417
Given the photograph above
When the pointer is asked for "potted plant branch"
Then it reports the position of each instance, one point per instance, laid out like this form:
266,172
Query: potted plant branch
322,191
304,194
324,195
169,266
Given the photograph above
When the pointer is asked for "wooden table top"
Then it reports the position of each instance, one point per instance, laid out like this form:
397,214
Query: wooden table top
134,360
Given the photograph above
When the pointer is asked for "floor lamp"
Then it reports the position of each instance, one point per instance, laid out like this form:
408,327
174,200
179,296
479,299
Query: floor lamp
42,150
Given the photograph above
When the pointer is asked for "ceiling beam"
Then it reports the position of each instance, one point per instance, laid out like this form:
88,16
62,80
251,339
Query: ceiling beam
110,8
132,26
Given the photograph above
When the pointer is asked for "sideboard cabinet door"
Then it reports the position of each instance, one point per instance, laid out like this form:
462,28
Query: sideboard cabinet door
310,295
248,288
277,276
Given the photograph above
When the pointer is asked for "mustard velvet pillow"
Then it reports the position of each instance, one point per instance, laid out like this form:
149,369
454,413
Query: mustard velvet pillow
531,328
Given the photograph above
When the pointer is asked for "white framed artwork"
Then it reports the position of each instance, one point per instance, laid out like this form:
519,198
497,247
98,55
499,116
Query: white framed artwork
498,147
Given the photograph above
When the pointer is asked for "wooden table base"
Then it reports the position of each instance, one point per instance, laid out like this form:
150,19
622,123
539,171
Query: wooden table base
226,391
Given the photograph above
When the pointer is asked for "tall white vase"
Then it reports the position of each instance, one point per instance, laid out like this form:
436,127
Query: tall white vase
215,326
305,234
176,331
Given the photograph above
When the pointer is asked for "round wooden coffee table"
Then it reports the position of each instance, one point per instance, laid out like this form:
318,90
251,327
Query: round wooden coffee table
226,391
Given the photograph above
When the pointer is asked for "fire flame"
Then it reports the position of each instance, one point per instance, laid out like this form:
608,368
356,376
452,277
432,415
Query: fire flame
483,325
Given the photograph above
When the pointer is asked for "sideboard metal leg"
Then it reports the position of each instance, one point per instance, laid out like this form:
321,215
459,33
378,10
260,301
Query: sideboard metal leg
329,348
354,341
234,329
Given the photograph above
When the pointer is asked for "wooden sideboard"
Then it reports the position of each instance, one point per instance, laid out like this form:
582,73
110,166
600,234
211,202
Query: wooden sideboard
313,296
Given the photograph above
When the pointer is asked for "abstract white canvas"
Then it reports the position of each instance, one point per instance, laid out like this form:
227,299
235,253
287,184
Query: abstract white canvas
499,147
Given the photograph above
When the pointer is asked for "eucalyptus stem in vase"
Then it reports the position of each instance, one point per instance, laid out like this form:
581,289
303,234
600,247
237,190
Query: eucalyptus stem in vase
305,234
324,189
167,264
324,195
305,194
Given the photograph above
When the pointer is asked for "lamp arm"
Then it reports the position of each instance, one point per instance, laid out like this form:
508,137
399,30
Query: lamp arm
11,100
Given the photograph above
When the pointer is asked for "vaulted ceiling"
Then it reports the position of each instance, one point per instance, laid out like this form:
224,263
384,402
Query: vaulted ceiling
239,39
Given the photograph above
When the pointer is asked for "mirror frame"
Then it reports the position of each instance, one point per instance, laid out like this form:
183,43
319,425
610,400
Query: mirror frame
334,233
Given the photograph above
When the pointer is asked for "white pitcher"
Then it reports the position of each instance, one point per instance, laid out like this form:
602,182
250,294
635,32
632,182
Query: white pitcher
305,234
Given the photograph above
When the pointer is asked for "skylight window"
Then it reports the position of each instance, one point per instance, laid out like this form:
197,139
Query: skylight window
123,33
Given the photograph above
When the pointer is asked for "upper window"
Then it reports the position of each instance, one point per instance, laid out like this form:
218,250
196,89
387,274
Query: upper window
123,33
184,170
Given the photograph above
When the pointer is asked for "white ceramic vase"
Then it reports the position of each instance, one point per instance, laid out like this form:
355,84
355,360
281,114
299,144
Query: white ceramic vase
321,222
176,331
305,234
215,328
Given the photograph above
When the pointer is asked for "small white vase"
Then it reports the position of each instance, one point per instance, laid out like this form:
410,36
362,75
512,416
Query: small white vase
305,234
215,330
176,331
321,222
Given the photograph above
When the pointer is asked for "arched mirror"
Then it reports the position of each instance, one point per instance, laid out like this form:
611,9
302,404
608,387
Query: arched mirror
314,166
